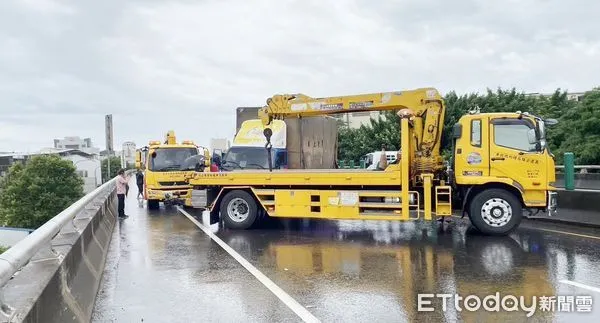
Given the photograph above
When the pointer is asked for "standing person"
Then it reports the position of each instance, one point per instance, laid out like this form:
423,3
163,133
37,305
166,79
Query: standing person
139,178
121,192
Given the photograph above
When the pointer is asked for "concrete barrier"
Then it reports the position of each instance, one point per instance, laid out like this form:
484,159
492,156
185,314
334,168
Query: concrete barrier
584,200
590,181
579,207
60,285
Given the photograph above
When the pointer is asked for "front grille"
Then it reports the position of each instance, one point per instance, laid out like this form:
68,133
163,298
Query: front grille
174,183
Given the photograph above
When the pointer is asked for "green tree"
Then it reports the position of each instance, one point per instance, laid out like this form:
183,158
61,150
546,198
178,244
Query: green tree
354,143
37,191
115,165
3,249
577,131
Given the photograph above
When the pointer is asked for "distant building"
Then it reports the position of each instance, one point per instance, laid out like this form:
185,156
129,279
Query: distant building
356,119
8,159
104,153
128,154
87,165
75,142
575,96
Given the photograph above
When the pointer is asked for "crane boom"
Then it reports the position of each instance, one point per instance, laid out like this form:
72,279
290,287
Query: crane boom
425,104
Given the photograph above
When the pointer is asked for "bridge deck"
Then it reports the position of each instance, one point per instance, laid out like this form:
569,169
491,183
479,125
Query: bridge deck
161,268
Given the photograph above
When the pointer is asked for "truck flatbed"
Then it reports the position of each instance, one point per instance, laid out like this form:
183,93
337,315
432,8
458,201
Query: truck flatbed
301,177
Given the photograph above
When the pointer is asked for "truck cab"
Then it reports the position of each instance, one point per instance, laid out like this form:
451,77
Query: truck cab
167,165
248,148
502,165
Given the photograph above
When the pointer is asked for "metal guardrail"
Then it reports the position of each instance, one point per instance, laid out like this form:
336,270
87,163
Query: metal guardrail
12,260
580,166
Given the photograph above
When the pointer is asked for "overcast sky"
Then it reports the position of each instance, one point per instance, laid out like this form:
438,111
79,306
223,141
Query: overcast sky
186,65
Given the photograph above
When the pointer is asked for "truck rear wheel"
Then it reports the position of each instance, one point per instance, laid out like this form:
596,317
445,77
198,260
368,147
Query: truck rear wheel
495,212
153,204
238,210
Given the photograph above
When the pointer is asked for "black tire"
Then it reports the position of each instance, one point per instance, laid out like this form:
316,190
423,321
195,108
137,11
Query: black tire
495,212
153,204
238,210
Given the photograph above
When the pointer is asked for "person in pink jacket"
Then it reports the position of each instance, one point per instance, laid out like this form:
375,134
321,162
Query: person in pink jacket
122,181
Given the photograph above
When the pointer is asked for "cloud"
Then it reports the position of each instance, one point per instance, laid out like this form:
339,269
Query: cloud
186,65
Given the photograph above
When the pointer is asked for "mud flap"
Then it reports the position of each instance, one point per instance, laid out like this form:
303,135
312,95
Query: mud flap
464,202
214,216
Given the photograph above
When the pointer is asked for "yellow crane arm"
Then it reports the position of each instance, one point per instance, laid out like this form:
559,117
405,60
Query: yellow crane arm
426,104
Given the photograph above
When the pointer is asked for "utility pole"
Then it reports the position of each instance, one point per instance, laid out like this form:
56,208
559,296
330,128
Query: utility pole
109,141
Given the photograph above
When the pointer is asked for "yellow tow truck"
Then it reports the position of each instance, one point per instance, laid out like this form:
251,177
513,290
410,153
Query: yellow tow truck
500,167
165,168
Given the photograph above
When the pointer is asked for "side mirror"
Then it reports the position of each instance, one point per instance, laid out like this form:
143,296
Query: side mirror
531,136
153,155
457,131
551,122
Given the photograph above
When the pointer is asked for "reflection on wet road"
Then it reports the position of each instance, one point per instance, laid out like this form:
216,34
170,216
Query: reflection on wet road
163,268
362,270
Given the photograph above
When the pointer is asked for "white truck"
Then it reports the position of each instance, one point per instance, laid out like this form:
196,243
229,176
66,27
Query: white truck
296,144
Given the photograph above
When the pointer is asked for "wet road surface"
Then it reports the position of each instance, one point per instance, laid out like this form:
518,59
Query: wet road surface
161,268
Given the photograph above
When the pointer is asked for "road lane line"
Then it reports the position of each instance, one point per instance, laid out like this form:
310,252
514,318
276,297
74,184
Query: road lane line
568,233
302,312
580,285
553,231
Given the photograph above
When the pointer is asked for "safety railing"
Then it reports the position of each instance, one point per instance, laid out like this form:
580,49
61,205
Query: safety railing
580,167
16,257
350,164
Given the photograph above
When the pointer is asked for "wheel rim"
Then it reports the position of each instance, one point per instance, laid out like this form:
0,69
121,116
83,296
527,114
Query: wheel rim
496,212
238,210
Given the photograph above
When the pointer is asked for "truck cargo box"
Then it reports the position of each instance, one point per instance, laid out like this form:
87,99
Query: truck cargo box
312,143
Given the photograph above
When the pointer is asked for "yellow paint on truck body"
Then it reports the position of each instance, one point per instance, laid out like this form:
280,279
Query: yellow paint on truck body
162,175
491,150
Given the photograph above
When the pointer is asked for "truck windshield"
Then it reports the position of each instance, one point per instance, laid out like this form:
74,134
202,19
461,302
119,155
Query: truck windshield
247,158
170,159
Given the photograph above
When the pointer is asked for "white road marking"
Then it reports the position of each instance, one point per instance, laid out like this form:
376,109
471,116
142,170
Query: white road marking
580,285
302,312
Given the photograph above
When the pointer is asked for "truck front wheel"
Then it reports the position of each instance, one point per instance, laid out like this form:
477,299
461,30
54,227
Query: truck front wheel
238,210
153,204
495,212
